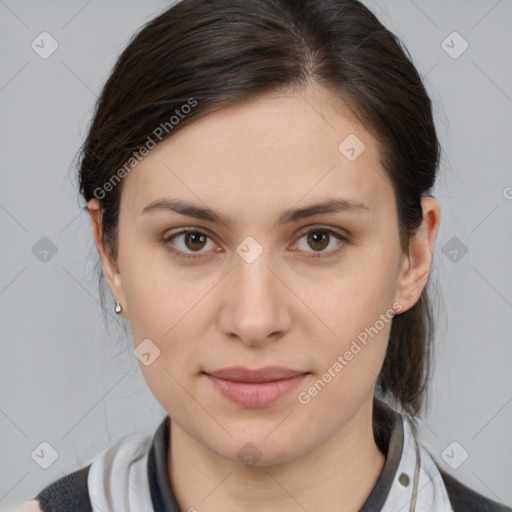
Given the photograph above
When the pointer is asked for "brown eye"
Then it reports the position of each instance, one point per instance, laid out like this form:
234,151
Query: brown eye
195,240
188,241
318,240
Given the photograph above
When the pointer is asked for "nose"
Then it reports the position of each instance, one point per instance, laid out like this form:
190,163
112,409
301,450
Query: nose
255,303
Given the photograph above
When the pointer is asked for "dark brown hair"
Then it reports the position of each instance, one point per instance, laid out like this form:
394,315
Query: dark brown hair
210,53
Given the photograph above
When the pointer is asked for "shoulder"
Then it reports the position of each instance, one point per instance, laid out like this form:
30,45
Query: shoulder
465,499
67,493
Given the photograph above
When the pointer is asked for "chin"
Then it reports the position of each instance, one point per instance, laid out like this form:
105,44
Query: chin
252,445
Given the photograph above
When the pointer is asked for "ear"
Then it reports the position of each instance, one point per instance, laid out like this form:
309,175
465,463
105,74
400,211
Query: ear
416,264
109,265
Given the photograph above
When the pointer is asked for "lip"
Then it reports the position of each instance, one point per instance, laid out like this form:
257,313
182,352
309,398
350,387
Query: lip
266,374
255,388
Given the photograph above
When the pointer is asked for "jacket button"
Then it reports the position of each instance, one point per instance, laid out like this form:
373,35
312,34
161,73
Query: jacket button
404,479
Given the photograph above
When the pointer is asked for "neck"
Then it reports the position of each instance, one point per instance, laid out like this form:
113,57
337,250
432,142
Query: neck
340,473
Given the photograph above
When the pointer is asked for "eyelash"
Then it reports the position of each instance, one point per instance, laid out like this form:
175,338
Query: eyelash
182,254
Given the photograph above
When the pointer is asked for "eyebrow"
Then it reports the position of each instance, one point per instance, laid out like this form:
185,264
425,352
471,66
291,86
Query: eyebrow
287,216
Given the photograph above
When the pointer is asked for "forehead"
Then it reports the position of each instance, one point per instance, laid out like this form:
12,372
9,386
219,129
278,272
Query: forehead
264,152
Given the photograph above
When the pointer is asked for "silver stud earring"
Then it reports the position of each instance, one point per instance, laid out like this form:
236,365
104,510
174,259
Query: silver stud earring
118,307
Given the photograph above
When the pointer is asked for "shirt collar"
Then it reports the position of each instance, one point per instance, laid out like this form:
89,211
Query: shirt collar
389,436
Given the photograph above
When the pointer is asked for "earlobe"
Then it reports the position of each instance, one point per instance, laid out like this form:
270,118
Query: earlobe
417,263
109,265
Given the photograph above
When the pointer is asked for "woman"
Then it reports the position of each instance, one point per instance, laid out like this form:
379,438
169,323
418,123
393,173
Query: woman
258,177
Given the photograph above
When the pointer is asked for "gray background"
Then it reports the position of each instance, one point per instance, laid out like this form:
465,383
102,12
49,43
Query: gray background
68,380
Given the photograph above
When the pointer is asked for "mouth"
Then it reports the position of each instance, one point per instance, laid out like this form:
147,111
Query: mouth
255,388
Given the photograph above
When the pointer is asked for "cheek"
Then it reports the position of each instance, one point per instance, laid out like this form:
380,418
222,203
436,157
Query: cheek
350,360
358,347
355,297
171,310
169,384
157,295
357,307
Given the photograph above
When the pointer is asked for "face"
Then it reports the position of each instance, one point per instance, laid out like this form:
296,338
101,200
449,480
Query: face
260,278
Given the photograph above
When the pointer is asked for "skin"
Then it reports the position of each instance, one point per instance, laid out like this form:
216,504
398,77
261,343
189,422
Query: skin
250,161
